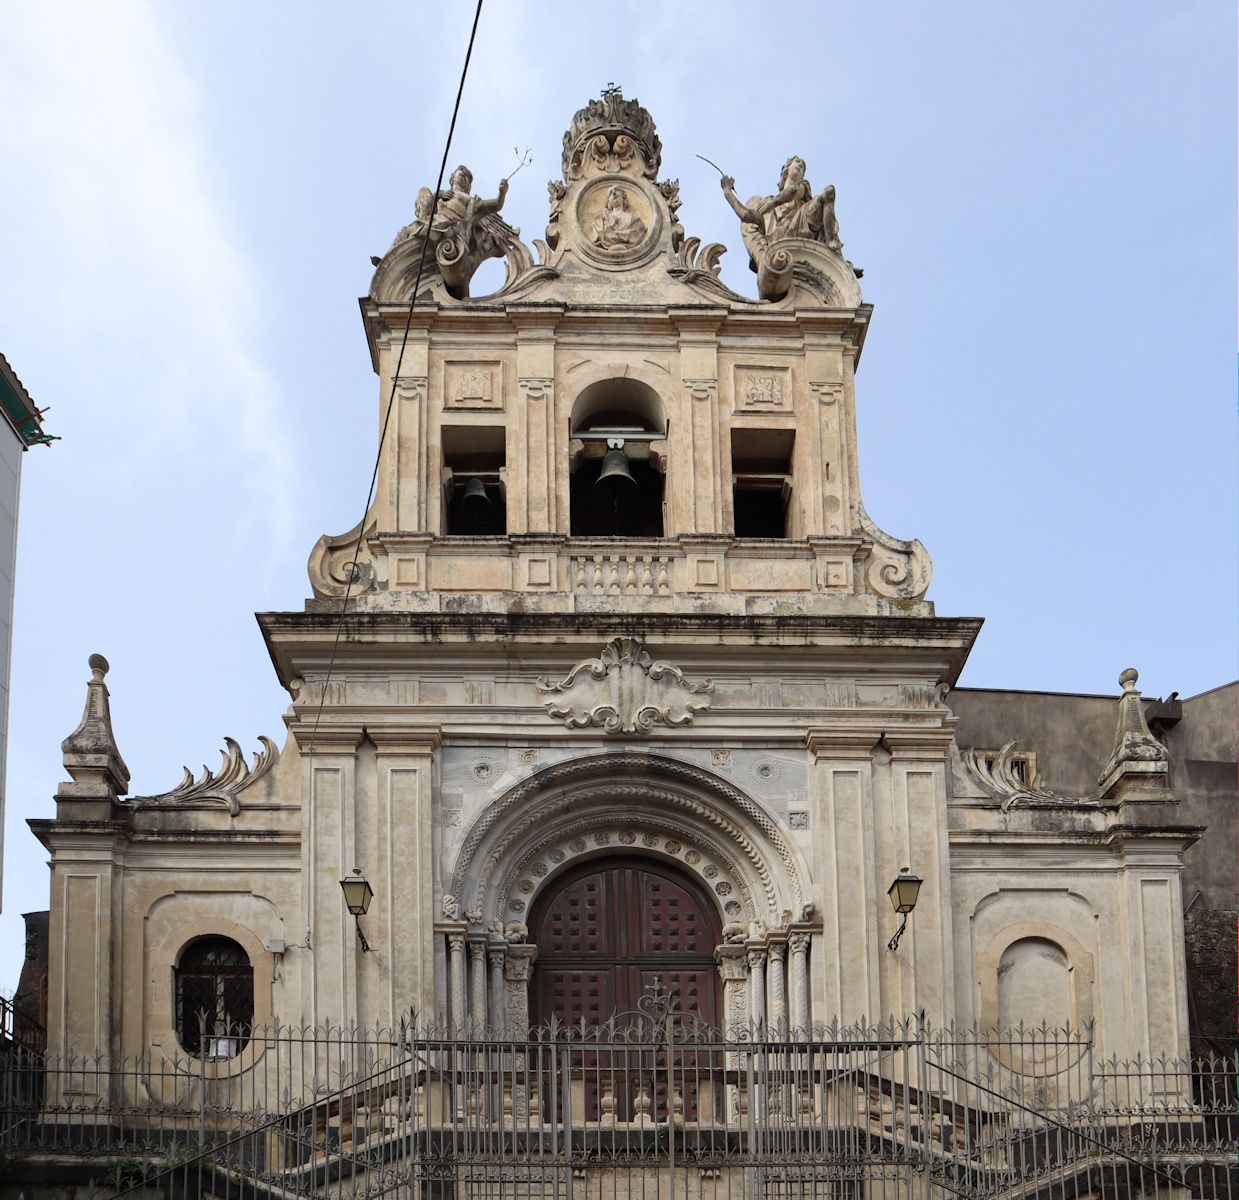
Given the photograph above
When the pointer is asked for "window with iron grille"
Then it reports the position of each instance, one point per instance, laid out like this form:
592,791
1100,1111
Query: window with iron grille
214,997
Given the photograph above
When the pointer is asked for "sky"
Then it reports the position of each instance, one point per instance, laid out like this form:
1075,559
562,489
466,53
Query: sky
1042,198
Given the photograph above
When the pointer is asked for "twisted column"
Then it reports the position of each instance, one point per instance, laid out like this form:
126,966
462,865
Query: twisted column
477,987
798,985
757,985
456,980
495,956
776,986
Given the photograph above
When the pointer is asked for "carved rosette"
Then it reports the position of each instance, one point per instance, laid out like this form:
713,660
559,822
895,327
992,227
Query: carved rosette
625,690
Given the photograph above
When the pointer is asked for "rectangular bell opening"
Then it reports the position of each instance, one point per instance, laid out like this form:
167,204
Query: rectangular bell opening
761,471
474,500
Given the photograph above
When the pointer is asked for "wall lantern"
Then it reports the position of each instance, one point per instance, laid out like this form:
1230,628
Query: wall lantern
903,893
357,896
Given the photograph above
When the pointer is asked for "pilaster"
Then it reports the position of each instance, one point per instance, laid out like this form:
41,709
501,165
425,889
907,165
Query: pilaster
700,469
403,863
328,854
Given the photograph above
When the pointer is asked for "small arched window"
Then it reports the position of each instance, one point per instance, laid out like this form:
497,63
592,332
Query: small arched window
214,997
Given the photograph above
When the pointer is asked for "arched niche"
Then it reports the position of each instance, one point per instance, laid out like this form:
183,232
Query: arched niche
618,403
616,483
1036,985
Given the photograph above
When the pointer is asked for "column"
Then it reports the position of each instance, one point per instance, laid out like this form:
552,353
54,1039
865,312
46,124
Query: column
776,985
517,969
798,983
495,955
734,972
456,977
477,987
757,985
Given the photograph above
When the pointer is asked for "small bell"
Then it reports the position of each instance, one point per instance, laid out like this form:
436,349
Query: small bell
615,485
475,503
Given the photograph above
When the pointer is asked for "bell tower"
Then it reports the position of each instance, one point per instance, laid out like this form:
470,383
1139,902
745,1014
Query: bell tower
616,420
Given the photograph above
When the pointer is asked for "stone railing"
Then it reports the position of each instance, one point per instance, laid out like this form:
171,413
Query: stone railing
618,572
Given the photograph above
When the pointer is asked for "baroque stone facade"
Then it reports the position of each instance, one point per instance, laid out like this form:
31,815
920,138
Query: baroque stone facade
618,601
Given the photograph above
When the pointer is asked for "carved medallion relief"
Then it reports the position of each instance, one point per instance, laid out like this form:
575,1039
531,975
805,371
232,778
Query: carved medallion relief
617,222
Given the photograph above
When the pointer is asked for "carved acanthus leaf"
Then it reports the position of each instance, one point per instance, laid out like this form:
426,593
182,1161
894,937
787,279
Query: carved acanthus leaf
217,787
624,690
999,778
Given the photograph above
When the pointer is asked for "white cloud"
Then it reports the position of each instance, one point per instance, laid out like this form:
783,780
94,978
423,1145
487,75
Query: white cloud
102,126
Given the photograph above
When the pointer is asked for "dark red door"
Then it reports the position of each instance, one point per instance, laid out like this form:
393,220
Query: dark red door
604,932
608,929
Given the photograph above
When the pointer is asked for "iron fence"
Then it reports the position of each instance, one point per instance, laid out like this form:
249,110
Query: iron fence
655,1105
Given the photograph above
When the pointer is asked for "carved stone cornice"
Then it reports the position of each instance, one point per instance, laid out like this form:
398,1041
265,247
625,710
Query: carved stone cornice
418,739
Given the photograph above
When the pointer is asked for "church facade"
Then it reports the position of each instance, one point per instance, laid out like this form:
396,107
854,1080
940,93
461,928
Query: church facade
616,683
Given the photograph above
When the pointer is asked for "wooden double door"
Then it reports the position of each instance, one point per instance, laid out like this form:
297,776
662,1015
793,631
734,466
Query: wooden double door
606,930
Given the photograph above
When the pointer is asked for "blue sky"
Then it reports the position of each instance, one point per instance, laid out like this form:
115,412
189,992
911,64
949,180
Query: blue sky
1042,198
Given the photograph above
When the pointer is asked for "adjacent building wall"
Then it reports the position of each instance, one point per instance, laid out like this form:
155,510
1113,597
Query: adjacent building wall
1072,735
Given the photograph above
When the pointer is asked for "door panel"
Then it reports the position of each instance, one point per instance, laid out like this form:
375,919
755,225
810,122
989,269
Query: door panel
604,934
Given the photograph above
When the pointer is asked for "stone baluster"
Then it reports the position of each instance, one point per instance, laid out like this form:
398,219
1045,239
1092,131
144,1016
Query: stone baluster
495,956
456,980
477,987
776,987
798,983
757,985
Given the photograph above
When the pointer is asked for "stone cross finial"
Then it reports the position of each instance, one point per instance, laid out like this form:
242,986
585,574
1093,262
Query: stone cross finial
90,753
1139,761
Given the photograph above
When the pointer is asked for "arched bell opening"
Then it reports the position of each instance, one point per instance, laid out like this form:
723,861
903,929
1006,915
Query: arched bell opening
616,476
612,930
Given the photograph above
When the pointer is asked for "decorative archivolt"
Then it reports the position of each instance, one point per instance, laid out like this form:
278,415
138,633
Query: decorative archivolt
620,832
661,797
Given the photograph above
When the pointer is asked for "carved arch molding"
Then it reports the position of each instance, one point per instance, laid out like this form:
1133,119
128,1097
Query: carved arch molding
621,804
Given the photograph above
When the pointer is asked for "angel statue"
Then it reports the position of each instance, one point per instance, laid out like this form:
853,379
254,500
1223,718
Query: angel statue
460,230
795,212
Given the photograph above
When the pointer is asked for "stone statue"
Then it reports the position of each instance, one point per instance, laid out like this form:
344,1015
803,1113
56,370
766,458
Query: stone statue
734,933
516,932
618,227
465,230
451,908
792,213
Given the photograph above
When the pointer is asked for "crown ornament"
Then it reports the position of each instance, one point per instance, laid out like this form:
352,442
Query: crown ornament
611,134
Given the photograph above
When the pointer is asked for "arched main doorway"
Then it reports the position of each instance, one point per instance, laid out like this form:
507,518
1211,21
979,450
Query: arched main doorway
607,928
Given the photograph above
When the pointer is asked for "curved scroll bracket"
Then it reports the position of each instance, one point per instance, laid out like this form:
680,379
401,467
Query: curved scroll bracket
896,569
332,567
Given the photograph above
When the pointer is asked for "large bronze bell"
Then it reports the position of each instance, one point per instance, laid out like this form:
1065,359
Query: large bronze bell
615,485
475,503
